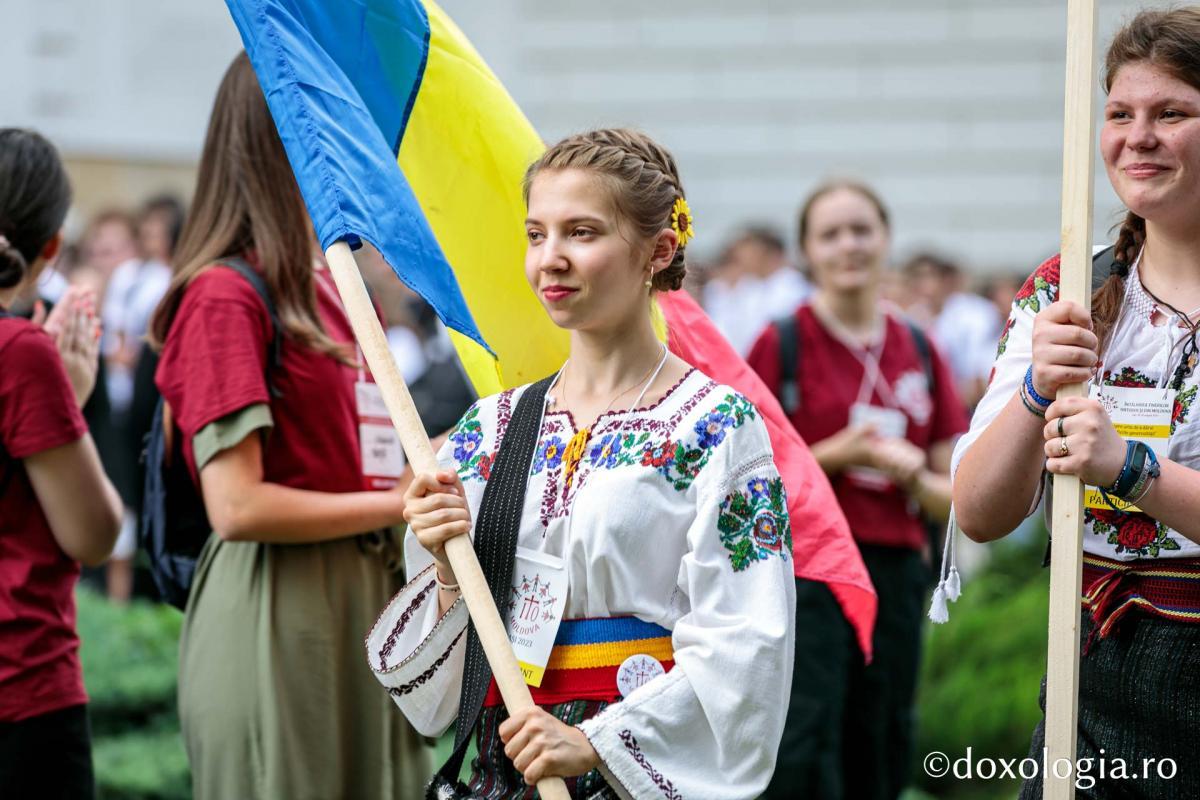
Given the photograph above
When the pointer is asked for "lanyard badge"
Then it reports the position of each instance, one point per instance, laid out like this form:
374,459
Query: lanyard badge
1136,413
535,610
382,456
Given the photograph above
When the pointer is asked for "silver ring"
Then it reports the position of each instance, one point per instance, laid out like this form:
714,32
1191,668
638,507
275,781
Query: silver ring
1060,428
1062,448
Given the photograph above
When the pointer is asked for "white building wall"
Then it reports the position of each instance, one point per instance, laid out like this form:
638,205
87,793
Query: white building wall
951,108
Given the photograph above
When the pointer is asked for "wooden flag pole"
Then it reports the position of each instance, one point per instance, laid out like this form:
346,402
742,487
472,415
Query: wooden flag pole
1066,559
488,624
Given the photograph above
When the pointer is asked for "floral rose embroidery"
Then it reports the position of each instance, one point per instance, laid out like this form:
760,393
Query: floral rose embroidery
1041,289
1136,532
658,455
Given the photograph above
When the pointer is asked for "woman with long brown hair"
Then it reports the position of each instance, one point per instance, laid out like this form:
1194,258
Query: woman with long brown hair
1135,441
274,698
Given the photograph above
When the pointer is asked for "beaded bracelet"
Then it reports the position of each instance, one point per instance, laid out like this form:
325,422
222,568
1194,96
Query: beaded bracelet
446,587
1030,406
1129,470
1033,395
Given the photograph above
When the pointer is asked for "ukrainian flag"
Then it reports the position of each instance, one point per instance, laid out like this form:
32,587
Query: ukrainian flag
400,135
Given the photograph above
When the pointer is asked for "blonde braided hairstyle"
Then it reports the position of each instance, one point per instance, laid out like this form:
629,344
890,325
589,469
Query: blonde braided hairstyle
642,179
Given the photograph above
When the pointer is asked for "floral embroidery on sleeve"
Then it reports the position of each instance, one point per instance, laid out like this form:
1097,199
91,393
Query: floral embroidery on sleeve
1002,345
1041,289
467,439
754,523
474,462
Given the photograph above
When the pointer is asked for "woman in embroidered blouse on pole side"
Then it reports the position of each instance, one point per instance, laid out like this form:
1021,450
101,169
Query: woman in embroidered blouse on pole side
1137,349
657,488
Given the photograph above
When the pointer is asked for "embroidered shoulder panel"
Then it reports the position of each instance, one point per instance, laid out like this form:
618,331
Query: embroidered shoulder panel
474,459
653,440
1041,288
754,524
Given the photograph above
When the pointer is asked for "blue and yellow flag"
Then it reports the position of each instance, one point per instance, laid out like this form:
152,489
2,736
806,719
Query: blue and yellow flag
399,134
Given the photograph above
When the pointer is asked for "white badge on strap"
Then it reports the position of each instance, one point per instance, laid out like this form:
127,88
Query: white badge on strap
382,456
889,423
1136,413
535,610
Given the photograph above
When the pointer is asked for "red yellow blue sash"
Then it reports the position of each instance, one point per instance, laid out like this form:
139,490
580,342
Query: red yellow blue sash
587,654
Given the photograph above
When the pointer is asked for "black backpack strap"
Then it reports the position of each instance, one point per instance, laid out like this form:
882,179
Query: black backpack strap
789,363
1102,264
496,533
921,340
259,283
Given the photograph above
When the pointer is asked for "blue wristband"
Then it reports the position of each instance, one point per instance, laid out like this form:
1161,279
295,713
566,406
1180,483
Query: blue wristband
1033,395
1125,479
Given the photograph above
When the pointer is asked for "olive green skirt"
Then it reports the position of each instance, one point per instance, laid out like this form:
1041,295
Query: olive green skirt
275,696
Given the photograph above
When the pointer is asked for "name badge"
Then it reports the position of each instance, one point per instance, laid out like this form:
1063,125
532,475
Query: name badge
636,671
1136,413
889,423
535,610
382,456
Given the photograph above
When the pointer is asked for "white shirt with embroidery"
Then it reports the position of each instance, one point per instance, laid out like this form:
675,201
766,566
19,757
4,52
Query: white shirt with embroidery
1138,354
676,515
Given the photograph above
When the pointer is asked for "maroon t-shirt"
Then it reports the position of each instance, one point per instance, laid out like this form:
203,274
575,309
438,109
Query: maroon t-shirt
830,377
39,649
214,363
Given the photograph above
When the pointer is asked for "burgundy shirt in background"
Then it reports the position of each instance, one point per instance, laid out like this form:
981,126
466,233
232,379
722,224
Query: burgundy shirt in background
213,363
829,378
39,649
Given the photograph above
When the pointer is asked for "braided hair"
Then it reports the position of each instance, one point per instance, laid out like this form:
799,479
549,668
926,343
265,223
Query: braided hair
641,174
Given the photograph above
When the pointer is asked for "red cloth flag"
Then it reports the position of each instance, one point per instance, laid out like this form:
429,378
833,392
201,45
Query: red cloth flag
822,547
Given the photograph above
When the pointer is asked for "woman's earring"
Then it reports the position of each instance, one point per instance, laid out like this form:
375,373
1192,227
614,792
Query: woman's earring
650,282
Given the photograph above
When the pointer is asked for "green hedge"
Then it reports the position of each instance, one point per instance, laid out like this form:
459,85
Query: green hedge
983,669
130,667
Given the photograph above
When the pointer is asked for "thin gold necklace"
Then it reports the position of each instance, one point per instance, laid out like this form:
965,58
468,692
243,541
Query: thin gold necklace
579,442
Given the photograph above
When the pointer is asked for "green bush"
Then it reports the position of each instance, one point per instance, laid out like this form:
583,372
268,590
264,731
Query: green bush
143,765
130,660
983,669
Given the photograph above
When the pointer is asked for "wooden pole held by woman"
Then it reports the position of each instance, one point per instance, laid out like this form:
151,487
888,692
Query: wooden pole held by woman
1066,559
488,625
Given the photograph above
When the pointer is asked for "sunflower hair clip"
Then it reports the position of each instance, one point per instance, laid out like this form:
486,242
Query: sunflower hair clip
681,221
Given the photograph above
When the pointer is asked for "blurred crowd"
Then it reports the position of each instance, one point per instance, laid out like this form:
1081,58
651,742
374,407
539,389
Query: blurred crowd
124,257
963,310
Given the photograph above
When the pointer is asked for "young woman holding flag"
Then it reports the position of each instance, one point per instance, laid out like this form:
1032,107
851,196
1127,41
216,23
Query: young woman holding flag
57,507
273,697
650,599
1135,441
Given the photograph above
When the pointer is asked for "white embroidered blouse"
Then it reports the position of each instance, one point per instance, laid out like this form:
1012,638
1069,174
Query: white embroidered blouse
1138,354
675,515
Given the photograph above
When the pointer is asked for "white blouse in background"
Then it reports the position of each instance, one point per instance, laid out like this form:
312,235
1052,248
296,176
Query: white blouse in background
675,515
